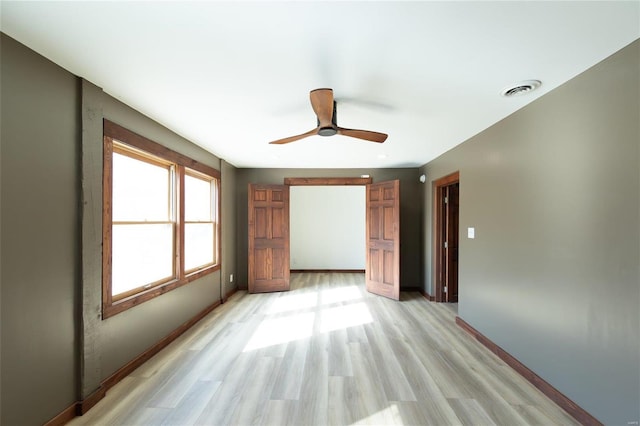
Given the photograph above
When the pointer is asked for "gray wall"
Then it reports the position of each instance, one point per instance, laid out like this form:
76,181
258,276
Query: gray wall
128,334
552,275
40,235
55,348
410,208
228,199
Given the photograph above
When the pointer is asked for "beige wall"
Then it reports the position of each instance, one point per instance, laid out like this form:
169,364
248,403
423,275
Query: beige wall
552,274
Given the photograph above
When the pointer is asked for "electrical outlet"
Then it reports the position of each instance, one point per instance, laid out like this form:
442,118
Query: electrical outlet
230,278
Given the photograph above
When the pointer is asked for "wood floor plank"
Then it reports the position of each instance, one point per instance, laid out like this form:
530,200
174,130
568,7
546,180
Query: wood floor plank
501,412
148,416
131,404
470,412
112,404
533,415
356,334
279,412
344,404
339,361
325,353
177,384
431,401
252,404
413,413
372,398
191,406
393,379
501,379
289,379
223,402
158,363
312,408
227,352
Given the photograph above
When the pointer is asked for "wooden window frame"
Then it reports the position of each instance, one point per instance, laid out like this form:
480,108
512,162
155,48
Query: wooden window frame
215,217
150,151
172,217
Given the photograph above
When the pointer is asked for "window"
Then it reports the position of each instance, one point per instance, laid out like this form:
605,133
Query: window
160,220
199,220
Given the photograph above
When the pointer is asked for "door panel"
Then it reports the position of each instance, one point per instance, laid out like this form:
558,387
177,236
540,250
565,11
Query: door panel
374,231
261,262
373,271
388,224
388,193
279,266
260,217
383,239
268,238
388,270
277,229
260,195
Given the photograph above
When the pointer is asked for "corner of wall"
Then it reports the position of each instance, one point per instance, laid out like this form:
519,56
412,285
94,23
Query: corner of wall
91,211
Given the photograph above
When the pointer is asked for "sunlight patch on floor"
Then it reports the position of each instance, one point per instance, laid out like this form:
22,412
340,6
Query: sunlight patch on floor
275,331
388,416
289,326
344,316
340,294
294,302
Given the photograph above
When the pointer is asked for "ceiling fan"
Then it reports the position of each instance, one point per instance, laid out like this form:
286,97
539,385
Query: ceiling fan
325,108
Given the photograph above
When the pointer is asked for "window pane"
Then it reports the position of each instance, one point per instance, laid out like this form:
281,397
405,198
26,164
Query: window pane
198,249
141,254
140,190
197,199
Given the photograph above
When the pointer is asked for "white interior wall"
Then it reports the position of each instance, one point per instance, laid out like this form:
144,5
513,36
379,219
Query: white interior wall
327,227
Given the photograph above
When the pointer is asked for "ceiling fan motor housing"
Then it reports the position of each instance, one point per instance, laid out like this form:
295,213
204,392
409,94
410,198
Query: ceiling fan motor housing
327,131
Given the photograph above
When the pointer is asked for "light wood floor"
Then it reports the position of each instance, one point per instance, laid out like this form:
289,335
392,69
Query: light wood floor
325,353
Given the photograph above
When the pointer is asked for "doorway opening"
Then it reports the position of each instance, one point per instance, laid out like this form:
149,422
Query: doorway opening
327,228
446,201
269,248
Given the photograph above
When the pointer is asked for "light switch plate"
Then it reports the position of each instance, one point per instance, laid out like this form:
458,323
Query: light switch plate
471,233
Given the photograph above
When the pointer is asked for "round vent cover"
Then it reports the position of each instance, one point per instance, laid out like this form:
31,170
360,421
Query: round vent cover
521,88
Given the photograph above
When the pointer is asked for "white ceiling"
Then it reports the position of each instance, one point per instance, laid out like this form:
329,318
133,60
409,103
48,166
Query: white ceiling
232,76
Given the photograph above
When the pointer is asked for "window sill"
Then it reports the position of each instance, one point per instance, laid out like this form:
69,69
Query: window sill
109,310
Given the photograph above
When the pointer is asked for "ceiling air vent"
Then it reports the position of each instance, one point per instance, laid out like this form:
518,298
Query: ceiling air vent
521,88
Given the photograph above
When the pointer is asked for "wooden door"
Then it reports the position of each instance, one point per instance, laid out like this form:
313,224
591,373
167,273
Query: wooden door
268,238
383,239
446,223
451,280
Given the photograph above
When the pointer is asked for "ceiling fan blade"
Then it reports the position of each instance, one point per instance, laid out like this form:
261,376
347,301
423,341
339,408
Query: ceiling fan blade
363,134
295,138
322,104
